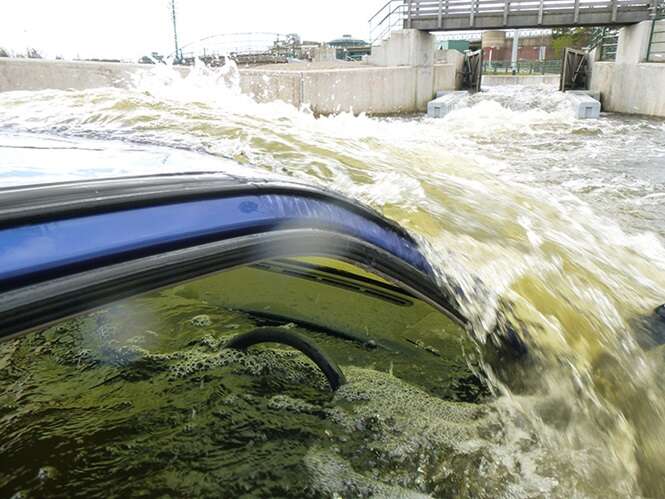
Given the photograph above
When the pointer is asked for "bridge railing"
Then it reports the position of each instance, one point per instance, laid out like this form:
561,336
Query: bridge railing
457,15
502,10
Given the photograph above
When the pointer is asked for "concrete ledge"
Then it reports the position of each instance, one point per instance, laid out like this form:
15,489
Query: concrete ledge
527,80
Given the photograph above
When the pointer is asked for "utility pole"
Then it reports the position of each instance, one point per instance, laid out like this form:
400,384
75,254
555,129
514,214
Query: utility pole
175,32
516,42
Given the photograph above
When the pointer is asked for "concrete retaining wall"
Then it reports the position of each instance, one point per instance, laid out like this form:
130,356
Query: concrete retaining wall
630,88
524,80
370,90
355,87
268,86
364,89
39,74
631,85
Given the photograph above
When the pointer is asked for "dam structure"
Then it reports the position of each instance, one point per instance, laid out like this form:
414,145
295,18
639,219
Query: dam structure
406,68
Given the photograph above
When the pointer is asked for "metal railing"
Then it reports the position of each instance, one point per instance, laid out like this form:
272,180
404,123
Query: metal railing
237,43
502,10
606,41
656,47
524,67
455,15
387,19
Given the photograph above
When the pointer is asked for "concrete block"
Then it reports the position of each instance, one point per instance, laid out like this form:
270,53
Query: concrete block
591,93
584,105
445,103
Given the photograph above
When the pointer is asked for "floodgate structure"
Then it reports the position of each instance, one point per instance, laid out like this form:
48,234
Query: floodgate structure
406,71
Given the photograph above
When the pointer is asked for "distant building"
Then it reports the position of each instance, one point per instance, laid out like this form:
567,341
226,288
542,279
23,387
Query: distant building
349,48
460,45
498,47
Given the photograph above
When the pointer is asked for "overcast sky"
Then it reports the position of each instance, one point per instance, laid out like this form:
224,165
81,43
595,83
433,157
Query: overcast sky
131,28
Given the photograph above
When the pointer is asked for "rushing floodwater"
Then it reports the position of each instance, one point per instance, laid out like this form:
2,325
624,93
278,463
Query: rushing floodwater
561,219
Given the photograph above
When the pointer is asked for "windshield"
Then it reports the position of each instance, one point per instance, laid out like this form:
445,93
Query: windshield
376,248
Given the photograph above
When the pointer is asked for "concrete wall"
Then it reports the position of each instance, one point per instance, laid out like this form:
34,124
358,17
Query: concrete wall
268,86
33,74
38,74
374,90
413,48
405,47
631,85
634,43
447,77
630,88
525,80
371,90
403,78
324,54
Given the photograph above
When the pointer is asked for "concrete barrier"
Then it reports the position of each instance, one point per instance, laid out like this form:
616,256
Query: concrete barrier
525,80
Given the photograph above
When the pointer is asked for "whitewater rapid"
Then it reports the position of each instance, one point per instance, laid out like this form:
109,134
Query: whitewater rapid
560,219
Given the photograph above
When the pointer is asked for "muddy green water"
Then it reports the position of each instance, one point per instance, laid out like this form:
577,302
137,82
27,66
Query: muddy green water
560,219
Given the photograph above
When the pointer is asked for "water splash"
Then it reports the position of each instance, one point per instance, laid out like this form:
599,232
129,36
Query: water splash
533,218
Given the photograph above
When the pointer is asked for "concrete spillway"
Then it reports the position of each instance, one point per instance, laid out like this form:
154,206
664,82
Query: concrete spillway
583,104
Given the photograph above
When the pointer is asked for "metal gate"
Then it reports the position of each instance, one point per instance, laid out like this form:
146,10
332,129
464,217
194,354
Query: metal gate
473,71
575,71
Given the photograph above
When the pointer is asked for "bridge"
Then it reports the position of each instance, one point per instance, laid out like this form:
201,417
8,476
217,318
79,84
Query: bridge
459,15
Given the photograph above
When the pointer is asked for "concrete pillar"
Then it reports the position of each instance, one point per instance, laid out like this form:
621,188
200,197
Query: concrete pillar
414,48
405,47
633,43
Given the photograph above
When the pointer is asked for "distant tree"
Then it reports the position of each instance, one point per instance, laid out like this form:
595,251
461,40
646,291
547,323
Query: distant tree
33,54
570,38
3,52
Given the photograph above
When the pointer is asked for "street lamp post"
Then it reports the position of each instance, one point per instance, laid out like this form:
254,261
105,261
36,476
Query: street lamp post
175,32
